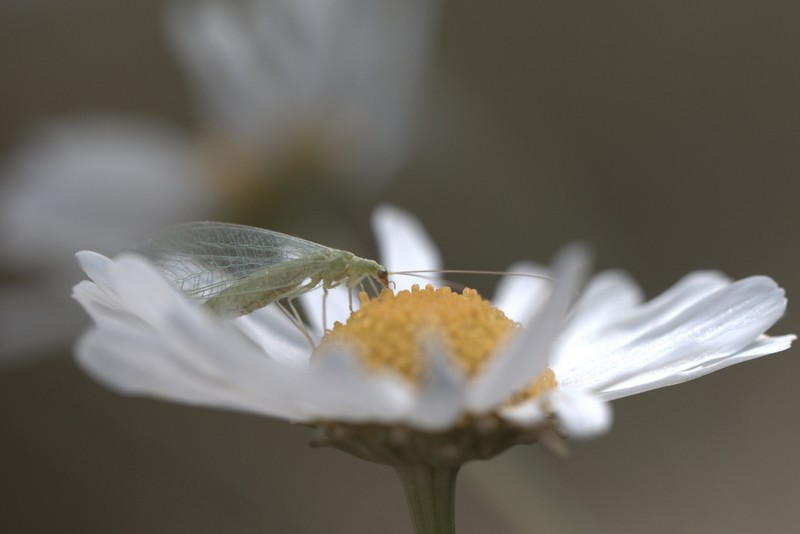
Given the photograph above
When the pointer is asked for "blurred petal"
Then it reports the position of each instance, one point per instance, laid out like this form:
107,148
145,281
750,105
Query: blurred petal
526,414
336,387
581,415
440,401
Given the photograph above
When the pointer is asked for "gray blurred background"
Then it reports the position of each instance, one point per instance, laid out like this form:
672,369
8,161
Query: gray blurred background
663,133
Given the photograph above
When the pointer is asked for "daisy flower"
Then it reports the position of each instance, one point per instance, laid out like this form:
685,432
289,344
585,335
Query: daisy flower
425,379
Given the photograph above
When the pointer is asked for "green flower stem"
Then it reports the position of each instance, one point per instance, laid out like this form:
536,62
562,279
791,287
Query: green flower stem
430,493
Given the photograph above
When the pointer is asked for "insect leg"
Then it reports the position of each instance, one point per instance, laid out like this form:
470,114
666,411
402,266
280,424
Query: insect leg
290,302
324,308
294,317
291,311
374,286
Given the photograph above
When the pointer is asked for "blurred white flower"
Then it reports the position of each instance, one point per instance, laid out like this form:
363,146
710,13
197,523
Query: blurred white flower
96,182
273,79
427,360
339,76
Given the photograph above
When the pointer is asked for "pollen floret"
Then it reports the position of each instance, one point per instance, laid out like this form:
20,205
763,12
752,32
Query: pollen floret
388,330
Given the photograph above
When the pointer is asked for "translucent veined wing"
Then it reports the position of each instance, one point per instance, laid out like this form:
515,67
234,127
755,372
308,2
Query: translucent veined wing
204,258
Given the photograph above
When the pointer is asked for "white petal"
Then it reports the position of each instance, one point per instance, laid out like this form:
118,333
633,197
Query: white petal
762,346
527,355
403,244
690,289
720,324
580,414
518,296
441,399
667,376
608,298
605,318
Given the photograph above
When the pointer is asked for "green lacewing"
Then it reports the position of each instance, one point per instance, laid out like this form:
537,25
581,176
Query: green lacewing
235,269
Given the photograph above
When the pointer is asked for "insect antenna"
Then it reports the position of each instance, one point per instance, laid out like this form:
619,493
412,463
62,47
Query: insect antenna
324,308
423,272
415,274
420,273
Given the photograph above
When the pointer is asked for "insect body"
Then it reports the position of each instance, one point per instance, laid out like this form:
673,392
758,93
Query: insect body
235,269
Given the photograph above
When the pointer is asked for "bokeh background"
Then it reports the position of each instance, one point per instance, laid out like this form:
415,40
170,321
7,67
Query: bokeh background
663,133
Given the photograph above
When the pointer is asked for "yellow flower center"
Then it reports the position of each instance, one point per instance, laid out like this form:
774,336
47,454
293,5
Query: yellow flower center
389,332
